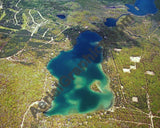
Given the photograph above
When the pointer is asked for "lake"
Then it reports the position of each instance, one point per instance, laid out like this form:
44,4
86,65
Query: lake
142,7
61,16
76,71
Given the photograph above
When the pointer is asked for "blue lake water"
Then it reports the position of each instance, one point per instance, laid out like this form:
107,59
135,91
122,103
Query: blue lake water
76,71
142,7
112,22
61,16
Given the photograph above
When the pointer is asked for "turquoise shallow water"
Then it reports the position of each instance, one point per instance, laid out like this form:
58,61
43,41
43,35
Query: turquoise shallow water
76,71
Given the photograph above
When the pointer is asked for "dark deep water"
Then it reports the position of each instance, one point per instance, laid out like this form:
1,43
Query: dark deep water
61,16
112,22
76,70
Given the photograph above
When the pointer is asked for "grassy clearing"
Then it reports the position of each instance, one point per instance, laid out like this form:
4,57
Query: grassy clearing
3,15
24,25
1,27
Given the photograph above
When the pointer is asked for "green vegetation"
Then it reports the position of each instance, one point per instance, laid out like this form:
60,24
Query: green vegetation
24,25
1,27
3,15
15,44
40,45
17,86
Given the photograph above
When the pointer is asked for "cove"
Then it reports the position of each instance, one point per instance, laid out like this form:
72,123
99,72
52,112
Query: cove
77,95
112,22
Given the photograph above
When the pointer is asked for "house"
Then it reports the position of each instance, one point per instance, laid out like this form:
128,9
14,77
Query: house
125,70
135,99
135,59
111,109
117,50
150,73
132,67
1,5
